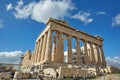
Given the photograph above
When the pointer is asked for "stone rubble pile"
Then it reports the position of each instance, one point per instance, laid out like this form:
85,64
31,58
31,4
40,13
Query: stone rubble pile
6,72
5,76
25,75
65,72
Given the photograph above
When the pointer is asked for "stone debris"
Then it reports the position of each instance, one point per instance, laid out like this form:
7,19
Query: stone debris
5,76
34,75
25,75
71,72
6,72
18,74
51,72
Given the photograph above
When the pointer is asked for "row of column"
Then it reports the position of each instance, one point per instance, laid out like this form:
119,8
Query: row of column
44,51
58,48
43,48
94,55
58,52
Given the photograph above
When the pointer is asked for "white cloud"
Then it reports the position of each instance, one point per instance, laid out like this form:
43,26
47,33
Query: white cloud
20,3
23,12
10,57
115,61
101,13
1,25
116,20
43,10
9,7
83,16
48,8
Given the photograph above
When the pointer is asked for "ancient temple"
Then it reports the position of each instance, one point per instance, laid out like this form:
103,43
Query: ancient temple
49,47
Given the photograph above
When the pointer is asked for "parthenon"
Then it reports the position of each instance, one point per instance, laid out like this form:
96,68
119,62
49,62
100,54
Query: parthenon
50,47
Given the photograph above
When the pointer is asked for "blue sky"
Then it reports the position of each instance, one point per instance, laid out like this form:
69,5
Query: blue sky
21,21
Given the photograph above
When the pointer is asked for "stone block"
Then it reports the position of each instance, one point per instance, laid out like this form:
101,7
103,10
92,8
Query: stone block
26,75
18,75
34,75
51,72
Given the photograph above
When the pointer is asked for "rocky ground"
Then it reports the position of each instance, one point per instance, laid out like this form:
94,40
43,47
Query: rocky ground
6,72
105,77
109,77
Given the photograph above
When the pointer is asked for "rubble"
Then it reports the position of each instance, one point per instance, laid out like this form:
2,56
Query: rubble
18,75
51,72
25,75
6,72
5,76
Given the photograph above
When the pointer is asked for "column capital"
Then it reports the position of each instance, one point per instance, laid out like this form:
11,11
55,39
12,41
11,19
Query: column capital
68,36
91,42
77,39
100,46
85,41
95,46
50,29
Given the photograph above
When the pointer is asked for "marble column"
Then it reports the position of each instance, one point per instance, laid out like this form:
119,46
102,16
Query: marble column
60,48
89,55
69,50
103,57
40,50
48,51
86,57
37,52
43,47
78,52
33,54
54,55
32,57
92,54
98,55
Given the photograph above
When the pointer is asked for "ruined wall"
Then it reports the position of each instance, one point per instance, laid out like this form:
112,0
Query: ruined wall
26,59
